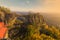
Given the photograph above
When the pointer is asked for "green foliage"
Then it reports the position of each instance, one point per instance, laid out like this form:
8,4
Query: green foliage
28,27
34,28
5,10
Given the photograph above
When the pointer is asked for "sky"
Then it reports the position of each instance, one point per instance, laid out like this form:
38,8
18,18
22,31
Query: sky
51,6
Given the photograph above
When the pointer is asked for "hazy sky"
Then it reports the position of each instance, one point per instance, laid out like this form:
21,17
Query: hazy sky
32,5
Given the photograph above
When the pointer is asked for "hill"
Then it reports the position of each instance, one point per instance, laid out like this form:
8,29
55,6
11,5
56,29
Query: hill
28,27
50,18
